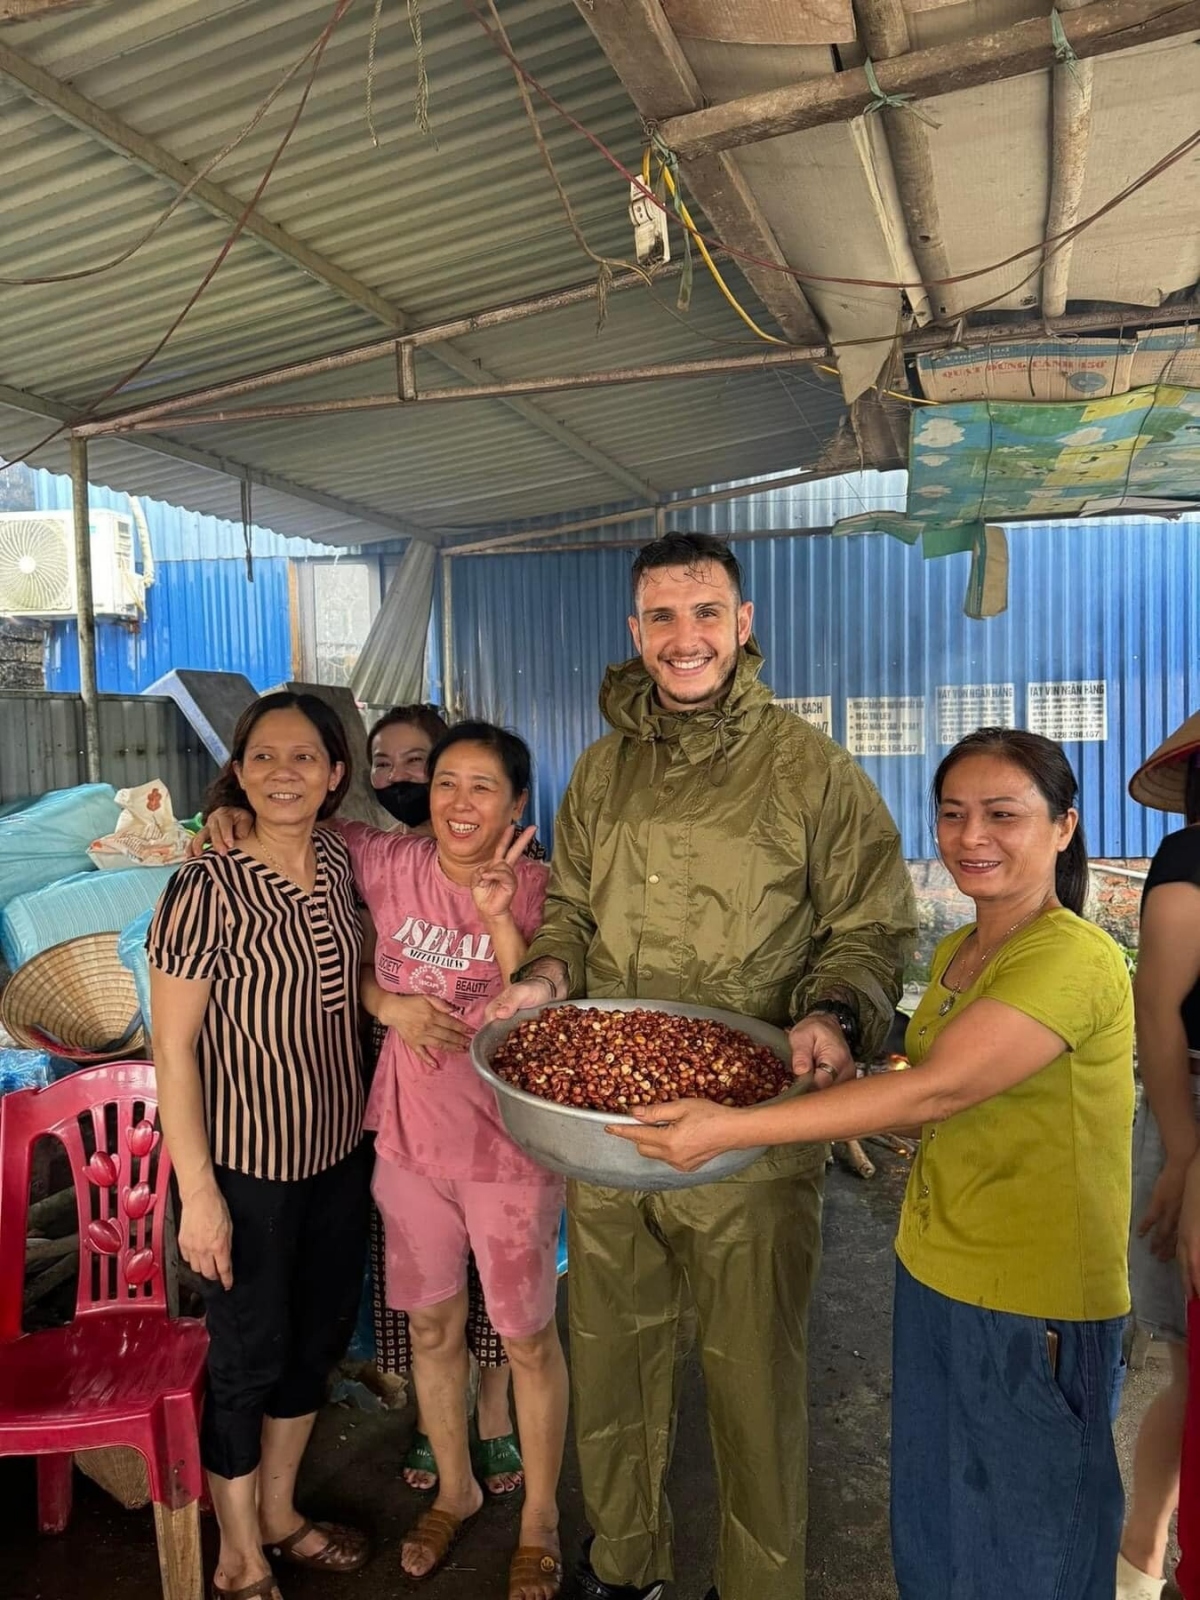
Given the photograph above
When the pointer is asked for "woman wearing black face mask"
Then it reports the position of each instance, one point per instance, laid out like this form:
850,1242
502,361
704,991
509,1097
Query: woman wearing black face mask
398,745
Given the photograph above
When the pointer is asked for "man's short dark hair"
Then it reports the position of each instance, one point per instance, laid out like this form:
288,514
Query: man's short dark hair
687,550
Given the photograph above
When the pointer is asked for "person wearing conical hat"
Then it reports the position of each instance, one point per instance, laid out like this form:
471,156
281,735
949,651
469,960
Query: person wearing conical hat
1169,780
1166,1139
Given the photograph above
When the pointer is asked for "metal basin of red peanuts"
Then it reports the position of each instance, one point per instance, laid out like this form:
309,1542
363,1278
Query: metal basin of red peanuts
565,1072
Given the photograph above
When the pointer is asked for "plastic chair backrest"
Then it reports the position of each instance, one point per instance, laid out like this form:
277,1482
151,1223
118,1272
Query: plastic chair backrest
106,1119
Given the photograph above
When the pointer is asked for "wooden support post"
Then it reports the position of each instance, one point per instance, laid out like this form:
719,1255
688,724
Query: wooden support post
1070,136
85,612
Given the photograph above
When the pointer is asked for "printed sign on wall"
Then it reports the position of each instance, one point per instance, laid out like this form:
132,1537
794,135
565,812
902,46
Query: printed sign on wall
963,707
1076,710
814,708
886,725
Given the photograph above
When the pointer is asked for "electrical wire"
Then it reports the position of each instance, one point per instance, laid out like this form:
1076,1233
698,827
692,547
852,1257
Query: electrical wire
170,210
317,53
685,217
703,241
1177,154
604,264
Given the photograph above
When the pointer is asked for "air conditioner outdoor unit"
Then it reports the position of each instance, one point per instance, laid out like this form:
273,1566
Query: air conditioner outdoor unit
37,565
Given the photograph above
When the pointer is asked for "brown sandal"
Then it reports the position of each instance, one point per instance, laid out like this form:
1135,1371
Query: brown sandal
533,1564
264,1589
344,1550
435,1532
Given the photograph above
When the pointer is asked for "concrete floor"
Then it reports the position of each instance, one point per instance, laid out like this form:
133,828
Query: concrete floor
351,1470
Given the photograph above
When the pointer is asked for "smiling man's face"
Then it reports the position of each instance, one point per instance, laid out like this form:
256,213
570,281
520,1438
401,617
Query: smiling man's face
689,627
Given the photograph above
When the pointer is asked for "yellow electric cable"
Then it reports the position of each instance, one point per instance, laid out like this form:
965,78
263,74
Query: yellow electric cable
686,218
892,394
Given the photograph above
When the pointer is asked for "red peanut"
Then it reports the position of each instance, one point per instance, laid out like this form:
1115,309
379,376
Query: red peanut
612,1060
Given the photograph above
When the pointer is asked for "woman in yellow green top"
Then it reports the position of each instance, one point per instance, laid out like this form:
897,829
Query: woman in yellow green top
1011,1283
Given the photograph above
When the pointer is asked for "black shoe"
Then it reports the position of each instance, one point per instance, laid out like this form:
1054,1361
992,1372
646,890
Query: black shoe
712,1594
589,1587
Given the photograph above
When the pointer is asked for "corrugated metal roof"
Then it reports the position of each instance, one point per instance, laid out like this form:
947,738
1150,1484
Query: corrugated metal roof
866,616
801,505
436,226
815,504
428,227
176,534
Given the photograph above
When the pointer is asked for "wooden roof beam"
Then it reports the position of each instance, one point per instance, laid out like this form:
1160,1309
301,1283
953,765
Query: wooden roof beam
1097,29
647,57
1071,132
883,28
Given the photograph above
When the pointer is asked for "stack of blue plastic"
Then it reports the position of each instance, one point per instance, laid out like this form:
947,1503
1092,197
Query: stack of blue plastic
50,890
131,947
25,1069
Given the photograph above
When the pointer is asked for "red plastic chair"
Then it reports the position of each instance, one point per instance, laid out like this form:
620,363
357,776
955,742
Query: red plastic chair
123,1372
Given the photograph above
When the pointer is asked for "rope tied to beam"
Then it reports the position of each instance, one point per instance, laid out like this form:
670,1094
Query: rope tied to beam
604,264
1063,53
669,162
421,108
892,102
421,103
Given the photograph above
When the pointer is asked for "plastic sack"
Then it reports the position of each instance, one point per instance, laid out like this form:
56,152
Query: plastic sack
90,902
146,834
47,839
24,1069
362,1340
131,948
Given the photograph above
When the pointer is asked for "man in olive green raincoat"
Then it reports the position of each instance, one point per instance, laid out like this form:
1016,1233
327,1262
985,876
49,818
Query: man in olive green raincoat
716,849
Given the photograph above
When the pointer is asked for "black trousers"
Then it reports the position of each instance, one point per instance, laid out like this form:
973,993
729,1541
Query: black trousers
298,1254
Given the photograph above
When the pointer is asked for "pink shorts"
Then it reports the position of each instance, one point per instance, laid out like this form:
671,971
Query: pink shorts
431,1226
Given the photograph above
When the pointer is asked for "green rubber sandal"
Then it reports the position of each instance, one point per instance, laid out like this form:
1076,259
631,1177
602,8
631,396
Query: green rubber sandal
420,1458
492,1457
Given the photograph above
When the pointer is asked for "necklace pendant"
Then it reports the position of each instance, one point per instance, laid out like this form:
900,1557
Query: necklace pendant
947,1006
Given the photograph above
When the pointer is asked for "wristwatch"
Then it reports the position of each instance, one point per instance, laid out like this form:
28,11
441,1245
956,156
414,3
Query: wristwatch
543,977
846,1018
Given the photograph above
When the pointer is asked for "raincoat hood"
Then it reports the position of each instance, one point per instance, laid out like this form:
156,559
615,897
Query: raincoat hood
629,704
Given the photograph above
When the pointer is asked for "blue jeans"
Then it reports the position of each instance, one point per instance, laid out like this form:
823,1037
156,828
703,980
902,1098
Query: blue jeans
1005,1484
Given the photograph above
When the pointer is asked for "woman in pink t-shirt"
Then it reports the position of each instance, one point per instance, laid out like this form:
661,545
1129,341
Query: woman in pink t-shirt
398,747
452,917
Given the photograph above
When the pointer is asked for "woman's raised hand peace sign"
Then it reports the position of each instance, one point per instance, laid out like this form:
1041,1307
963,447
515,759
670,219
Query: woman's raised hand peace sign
494,884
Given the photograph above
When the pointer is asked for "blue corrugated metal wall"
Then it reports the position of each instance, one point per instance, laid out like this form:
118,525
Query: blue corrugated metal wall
867,616
200,613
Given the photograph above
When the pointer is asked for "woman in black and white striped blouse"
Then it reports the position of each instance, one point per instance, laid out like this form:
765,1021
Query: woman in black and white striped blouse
254,980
